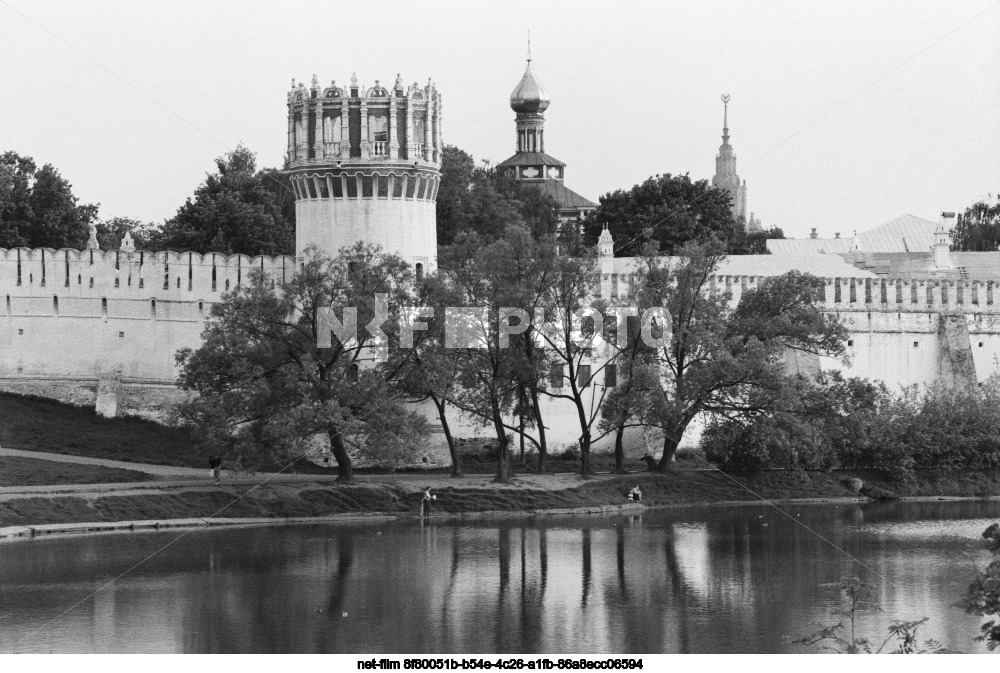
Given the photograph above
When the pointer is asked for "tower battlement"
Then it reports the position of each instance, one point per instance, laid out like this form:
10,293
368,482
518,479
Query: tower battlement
364,163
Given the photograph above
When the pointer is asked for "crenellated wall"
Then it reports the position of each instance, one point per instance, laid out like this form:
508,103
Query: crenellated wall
69,318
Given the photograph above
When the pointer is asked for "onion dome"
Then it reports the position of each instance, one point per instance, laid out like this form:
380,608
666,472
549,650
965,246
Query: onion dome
529,95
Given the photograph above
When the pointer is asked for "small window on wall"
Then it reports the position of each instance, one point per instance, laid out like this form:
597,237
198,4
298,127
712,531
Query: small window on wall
916,344
411,185
383,186
850,342
583,376
420,272
397,187
367,190
352,186
338,187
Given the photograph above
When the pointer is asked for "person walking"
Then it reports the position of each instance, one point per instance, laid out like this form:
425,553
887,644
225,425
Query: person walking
215,464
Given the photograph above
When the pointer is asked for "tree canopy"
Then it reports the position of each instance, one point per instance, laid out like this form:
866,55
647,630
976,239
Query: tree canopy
38,208
267,383
479,199
668,210
978,228
236,210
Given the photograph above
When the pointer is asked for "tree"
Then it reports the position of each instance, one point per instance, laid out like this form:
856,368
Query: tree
978,228
110,233
666,209
38,208
429,369
266,382
485,201
755,242
717,359
490,279
236,210
576,333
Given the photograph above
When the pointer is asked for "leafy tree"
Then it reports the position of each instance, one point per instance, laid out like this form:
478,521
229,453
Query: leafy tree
266,385
484,201
978,228
668,210
572,338
37,207
717,359
754,243
429,370
490,278
236,210
110,233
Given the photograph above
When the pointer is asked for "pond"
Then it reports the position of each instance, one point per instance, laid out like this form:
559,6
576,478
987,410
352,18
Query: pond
695,579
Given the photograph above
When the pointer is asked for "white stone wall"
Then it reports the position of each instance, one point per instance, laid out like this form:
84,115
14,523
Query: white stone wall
407,227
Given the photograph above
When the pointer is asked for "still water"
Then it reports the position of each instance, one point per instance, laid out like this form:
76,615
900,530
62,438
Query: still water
703,579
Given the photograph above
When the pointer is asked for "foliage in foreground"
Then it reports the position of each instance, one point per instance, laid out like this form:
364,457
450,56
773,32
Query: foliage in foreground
857,597
983,595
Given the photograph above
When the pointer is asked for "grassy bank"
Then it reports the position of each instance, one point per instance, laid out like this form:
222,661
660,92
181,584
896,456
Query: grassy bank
31,472
476,495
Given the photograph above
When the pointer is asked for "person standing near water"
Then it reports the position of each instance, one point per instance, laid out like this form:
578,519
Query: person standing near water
635,495
425,503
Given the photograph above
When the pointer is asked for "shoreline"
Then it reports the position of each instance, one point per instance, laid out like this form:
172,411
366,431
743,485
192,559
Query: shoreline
16,533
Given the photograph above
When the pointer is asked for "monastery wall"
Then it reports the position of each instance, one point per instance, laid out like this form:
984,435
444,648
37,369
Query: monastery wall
70,318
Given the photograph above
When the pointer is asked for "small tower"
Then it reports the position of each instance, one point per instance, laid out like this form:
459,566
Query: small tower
606,243
364,163
725,169
128,244
530,164
942,241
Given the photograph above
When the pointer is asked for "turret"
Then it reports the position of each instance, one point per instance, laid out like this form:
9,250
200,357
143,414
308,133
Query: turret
606,243
364,163
942,241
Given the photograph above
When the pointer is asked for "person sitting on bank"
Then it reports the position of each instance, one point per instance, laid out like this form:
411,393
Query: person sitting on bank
635,495
425,503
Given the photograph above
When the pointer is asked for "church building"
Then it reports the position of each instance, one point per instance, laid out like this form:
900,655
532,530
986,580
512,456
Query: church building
530,165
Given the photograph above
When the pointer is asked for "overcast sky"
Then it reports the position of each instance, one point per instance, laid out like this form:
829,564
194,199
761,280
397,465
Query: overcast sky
132,102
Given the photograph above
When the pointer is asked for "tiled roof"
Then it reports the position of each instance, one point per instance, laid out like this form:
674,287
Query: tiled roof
824,266
964,265
564,196
906,233
530,159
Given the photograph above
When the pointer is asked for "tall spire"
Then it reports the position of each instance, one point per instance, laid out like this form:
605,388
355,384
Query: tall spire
529,45
725,119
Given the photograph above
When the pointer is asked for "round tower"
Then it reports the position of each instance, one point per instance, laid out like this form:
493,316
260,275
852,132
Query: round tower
364,163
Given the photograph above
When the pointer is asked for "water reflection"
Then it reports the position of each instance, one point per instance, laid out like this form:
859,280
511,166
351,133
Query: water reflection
690,580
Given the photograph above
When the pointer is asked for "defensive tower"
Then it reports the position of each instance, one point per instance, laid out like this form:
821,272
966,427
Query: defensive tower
364,163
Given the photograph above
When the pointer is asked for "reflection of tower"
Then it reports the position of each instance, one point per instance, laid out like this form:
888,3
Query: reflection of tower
725,169
364,163
531,165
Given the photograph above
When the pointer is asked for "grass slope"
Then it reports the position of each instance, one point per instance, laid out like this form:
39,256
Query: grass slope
38,424
31,472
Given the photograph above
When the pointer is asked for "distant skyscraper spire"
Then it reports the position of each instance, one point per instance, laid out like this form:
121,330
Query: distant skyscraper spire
725,169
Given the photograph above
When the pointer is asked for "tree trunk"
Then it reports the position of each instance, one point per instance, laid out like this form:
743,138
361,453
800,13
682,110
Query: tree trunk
345,469
503,465
440,403
620,448
543,448
585,455
521,432
670,443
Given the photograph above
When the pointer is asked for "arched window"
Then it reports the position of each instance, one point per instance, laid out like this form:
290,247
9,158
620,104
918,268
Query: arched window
420,272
